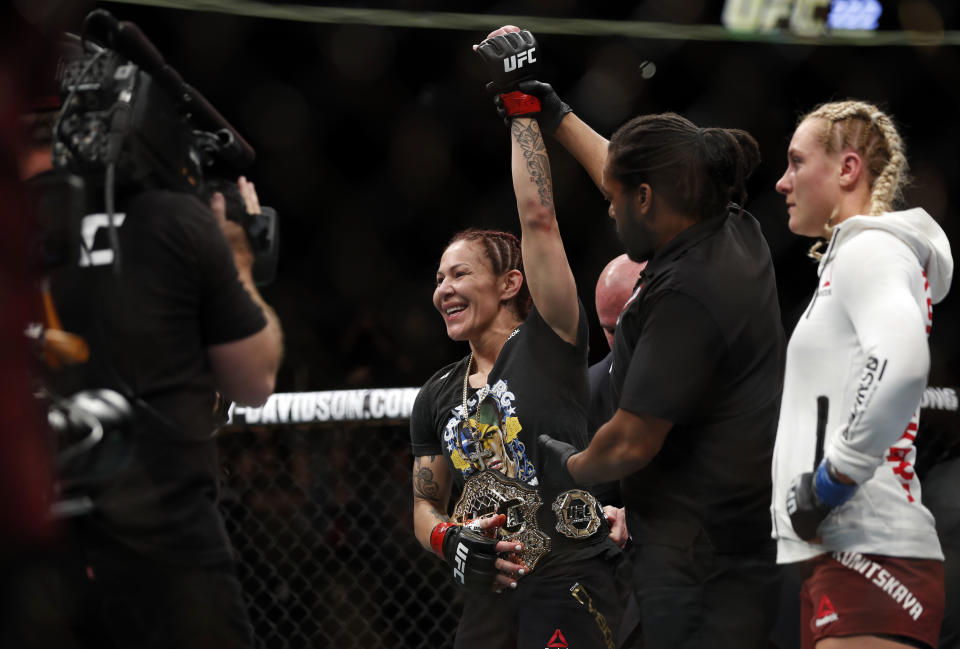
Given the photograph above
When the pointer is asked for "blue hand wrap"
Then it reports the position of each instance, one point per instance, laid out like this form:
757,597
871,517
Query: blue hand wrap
830,492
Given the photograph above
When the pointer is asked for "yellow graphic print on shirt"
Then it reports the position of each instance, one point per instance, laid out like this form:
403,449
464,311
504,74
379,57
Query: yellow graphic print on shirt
490,438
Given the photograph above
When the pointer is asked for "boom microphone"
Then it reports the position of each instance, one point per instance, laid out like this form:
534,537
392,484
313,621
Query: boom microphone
126,38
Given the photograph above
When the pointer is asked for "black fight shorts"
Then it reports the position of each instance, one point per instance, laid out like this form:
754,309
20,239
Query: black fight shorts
572,604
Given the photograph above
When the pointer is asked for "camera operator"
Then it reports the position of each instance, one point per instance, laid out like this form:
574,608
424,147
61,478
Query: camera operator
171,316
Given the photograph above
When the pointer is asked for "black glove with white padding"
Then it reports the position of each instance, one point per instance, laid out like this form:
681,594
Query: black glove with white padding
511,57
553,465
471,555
812,496
517,93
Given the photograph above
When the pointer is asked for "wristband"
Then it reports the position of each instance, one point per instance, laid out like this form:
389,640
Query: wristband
831,492
519,103
436,538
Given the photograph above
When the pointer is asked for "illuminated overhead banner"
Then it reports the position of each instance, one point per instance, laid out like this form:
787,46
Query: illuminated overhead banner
801,17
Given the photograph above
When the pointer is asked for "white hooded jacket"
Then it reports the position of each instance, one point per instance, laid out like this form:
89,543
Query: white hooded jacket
857,365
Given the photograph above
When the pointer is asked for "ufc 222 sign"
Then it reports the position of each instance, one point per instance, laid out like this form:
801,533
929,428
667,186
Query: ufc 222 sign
89,226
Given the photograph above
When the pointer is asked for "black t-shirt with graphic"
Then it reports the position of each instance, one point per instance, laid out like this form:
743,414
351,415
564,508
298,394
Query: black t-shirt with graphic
538,385
701,345
148,326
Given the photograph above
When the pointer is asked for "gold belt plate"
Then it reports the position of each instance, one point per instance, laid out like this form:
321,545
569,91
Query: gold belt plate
490,492
578,514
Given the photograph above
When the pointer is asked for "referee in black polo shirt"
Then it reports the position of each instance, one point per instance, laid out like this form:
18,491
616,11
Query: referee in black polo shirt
697,375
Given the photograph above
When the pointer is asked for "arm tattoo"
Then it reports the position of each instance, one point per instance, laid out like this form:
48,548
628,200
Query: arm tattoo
426,487
535,153
424,484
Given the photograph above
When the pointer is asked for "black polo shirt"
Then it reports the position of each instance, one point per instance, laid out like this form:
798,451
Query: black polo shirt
149,327
702,346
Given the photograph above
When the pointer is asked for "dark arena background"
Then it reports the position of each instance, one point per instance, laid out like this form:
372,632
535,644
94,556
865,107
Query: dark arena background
376,141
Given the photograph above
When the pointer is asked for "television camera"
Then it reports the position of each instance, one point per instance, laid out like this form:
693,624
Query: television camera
127,123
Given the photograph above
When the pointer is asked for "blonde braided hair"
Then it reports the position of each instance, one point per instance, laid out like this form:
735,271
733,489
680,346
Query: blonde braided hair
865,129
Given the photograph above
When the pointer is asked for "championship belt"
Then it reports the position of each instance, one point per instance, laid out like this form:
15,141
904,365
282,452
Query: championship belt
578,513
491,492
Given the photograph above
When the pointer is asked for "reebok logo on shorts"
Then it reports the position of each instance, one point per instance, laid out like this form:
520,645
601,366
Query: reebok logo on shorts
557,641
825,613
883,580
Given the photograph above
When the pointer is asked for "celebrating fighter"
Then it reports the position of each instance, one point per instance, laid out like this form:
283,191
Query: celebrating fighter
536,563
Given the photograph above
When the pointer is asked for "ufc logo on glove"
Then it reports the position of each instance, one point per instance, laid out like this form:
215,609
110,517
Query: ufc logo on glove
515,61
461,562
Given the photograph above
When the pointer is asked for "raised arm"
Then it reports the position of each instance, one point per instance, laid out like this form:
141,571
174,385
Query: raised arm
556,118
547,271
586,145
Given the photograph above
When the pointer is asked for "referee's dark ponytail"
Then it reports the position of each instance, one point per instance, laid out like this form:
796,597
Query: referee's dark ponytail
730,156
699,171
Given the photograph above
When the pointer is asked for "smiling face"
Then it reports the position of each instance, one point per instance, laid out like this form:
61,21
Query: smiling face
467,292
811,181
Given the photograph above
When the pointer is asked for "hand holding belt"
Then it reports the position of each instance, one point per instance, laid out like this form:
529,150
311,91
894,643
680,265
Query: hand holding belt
577,514
491,492
577,511
471,554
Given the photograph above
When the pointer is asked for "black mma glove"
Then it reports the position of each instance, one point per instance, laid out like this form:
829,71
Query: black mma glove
552,108
511,58
554,471
470,554
811,498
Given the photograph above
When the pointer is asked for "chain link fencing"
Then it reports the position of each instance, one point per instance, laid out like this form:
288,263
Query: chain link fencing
321,520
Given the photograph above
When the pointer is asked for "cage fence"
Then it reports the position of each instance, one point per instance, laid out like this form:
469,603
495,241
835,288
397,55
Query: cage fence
317,497
320,516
